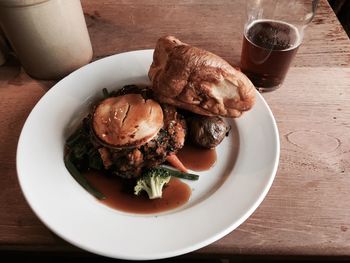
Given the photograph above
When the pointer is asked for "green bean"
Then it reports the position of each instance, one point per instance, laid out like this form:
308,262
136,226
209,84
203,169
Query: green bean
80,178
105,93
72,139
181,175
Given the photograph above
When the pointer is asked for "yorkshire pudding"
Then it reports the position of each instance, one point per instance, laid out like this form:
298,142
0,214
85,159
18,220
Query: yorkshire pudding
199,81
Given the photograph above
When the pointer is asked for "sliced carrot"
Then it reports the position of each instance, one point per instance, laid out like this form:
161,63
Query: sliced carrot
176,163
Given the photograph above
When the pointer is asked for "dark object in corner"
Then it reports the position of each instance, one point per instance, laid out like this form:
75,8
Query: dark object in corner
342,9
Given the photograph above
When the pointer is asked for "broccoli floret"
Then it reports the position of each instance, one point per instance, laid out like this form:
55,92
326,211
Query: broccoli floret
152,181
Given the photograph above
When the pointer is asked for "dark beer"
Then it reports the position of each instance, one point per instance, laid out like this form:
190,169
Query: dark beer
268,49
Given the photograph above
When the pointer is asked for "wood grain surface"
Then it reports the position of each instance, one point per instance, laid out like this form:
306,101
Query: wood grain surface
306,212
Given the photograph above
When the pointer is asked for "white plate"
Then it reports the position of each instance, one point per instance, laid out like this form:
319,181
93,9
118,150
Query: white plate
221,200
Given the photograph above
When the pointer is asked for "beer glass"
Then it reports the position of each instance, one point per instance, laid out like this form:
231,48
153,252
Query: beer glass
273,32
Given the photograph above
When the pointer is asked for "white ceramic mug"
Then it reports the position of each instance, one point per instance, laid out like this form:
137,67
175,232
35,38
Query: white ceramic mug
50,37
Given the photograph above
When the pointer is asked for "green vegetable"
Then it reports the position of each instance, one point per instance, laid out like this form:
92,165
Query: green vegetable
152,181
81,156
105,93
80,178
95,160
74,137
179,174
79,150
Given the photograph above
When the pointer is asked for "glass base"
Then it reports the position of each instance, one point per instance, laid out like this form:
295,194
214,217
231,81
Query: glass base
267,89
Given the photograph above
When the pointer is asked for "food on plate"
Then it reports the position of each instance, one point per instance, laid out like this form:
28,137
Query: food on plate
126,134
176,163
128,131
207,132
198,81
127,121
153,180
131,133
141,133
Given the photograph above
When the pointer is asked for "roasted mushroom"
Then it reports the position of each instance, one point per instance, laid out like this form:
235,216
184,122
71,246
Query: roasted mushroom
207,132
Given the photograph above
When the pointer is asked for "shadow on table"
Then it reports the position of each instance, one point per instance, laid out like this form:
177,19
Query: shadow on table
13,256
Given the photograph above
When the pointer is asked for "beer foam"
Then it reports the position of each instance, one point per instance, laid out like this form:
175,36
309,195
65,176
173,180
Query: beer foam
296,42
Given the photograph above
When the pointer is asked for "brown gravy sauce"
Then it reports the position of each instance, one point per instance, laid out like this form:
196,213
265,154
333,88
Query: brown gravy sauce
119,194
197,158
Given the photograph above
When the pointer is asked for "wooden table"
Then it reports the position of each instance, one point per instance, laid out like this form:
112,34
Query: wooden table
306,212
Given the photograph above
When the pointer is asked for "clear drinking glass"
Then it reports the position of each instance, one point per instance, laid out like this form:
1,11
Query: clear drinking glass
273,32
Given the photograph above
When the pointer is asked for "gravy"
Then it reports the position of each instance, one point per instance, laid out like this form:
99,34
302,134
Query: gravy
119,194
197,158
